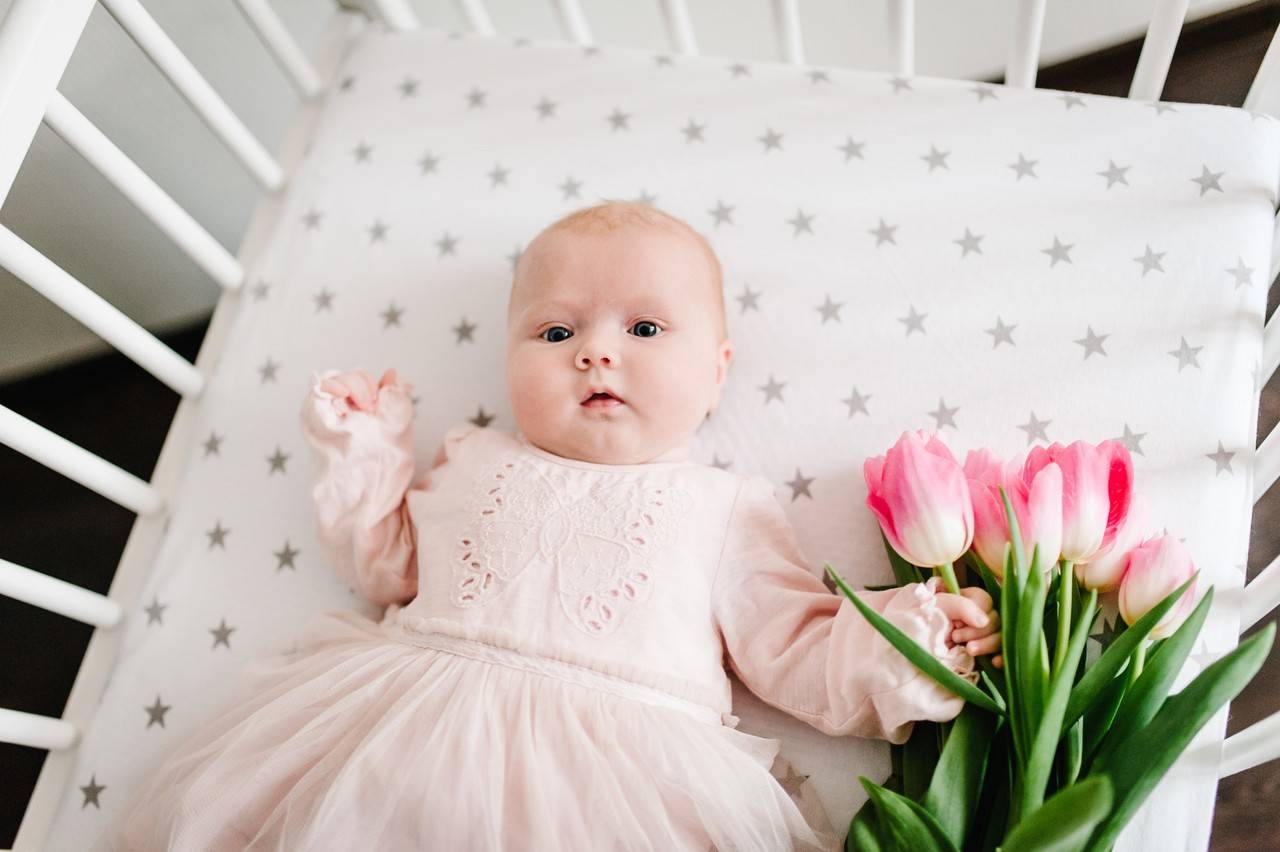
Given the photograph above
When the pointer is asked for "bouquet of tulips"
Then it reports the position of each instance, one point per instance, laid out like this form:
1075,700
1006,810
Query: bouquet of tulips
1049,751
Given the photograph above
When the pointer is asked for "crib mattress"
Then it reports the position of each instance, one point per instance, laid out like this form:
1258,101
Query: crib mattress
1008,267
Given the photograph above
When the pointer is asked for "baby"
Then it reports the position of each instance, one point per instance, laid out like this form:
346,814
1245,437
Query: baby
549,673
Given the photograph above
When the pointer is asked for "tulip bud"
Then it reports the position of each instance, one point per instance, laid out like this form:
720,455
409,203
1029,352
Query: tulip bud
1157,567
920,496
1036,498
1103,571
1097,482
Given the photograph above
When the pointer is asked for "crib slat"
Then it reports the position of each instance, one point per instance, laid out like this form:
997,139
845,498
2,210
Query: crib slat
1157,49
99,315
1024,53
396,14
574,22
786,20
478,17
28,586
29,729
680,26
65,120
1251,747
267,24
74,462
1266,464
1264,94
1260,596
143,29
902,35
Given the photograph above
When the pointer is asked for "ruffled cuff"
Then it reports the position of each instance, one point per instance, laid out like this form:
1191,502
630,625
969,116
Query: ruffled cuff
350,401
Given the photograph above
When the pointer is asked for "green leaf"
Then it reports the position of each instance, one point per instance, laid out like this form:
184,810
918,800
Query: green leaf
1063,823
989,580
957,782
1019,572
1113,659
919,759
923,659
1097,721
903,571
1008,624
1032,677
1072,753
905,823
864,830
1142,760
1143,699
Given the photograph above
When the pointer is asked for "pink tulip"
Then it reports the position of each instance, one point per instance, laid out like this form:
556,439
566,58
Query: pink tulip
1097,482
1036,498
1104,570
1157,567
920,495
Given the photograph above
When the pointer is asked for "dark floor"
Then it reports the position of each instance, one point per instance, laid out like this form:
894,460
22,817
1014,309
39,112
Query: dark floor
113,408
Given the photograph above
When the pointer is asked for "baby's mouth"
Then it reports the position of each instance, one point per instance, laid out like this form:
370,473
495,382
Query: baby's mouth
602,400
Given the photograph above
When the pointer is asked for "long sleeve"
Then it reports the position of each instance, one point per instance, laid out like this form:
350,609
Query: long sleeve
809,652
362,434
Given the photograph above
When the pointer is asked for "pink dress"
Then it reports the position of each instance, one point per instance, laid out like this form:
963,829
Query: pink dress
549,673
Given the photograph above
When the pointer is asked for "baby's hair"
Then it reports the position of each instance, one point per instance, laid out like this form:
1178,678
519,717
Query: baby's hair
614,214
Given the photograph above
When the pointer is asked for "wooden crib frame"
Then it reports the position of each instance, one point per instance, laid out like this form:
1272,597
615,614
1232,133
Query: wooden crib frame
37,39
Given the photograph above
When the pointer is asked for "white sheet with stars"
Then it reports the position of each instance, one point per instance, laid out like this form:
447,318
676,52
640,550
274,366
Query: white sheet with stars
1006,266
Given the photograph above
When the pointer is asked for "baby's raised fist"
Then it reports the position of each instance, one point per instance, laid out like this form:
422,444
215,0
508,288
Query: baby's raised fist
975,621
338,395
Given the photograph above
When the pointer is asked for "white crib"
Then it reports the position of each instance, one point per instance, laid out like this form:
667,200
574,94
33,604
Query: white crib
36,42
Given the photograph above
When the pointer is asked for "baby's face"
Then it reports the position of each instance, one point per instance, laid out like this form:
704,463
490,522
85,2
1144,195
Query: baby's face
632,311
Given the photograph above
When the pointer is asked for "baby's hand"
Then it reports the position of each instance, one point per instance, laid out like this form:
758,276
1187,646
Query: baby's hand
337,395
975,620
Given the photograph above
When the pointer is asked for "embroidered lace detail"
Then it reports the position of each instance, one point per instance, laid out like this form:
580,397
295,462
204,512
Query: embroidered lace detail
602,544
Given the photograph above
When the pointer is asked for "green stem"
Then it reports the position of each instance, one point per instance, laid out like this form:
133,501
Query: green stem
1135,662
1066,591
948,572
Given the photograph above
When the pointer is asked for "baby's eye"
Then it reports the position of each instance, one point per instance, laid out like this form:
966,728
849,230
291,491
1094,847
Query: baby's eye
546,334
650,329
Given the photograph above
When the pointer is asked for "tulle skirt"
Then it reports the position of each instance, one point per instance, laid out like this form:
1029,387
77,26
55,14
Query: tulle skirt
370,736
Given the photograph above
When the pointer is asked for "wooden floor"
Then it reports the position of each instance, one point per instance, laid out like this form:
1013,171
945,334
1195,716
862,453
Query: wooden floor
112,408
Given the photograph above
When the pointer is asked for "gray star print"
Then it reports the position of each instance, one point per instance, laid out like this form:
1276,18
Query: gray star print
662,60
800,485
723,465
945,416
218,535
408,88
1115,174
475,98
618,119
1024,167
514,257
1072,99
155,713
1243,274
1161,108
772,390
391,316
1208,180
222,634
984,92
446,244
377,232
1186,355
463,330
748,299
312,219
901,83
1092,343
969,242
1058,252
819,77
792,781
1001,333
740,70
498,176
1222,459
481,419
213,445
936,158
722,213
284,557
347,83
801,222
277,460
362,152
570,188
323,300
693,131
545,108
1035,428
155,611
1133,440
829,310
857,402
260,291
771,140
1150,260
429,163
914,321
91,792
884,233
645,198
851,149
268,371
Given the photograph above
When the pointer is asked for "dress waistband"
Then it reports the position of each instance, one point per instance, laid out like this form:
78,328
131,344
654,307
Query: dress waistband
559,669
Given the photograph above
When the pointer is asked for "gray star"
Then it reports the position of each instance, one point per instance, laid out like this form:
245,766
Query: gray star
645,198
347,83
801,222
546,108
829,310
218,535
723,465
945,416
277,460
260,291
857,402
771,140
591,50
268,371
1115,174
791,781
91,791
213,445
1035,428
772,389
323,300
748,299
514,257
312,219
570,188
155,611
913,321
1243,274
1133,440
378,232
1222,459
429,162
693,131
476,98
222,634
155,713
408,88
1058,252
391,316
446,244
1001,333
984,92
969,242
522,41
1024,167
498,175
284,557
463,330
722,213
851,149
362,151
740,70
1186,355
1161,108
936,158
619,119
884,233
1150,261
819,77
1092,343
900,83
1072,99
1107,634
800,485
1208,180
662,59
481,419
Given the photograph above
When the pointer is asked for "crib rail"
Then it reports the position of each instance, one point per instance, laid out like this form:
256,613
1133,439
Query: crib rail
37,38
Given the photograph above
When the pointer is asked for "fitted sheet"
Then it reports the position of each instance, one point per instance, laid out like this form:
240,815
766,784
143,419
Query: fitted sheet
1006,266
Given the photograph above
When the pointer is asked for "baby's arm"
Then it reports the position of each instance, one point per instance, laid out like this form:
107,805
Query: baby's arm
362,432
809,652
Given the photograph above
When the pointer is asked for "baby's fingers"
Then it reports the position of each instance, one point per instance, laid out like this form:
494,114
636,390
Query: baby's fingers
964,634
962,608
985,645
